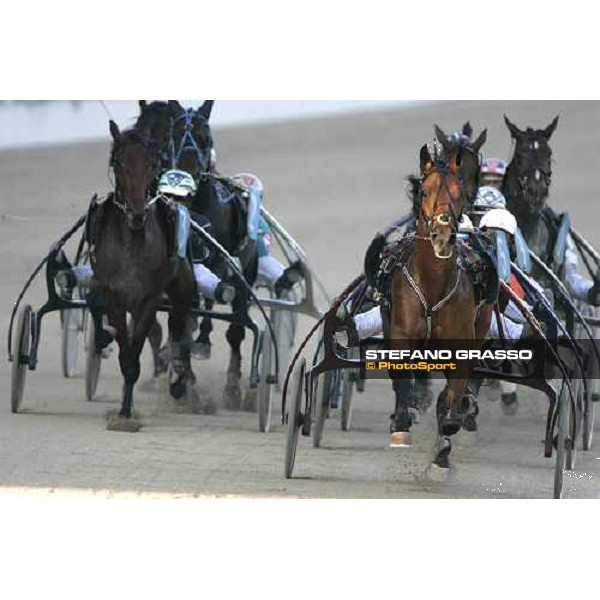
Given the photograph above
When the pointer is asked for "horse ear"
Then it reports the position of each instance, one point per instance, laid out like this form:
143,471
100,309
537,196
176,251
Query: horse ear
514,130
206,109
114,130
550,129
467,129
425,159
480,141
174,104
442,138
143,105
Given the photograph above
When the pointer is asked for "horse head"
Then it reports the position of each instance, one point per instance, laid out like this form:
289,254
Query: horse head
192,139
463,155
442,201
134,163
529,173
155,123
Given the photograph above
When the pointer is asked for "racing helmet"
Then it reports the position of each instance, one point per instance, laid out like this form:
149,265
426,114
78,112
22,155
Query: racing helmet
488,198
177,183
492,170
499,218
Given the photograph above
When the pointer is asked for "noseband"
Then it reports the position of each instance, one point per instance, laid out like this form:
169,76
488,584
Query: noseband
452,218
188,142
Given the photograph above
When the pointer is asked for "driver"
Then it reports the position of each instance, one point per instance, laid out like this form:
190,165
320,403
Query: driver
180,188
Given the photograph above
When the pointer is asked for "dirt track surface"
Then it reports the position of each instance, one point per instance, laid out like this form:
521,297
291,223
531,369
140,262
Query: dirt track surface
333,183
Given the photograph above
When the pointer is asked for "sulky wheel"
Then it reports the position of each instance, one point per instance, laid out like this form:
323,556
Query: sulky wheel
264,384
571,450
327,388
587,425
93,362
294,416
349,380
347,393
20,359
72,326
562,425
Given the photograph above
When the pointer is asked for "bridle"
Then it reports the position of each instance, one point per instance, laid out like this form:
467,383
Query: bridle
119,200
452,217
534,170
187,143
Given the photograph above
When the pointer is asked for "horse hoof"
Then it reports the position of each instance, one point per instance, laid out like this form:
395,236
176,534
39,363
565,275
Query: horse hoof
201,350
178,389
509,403
249,403
116,422
438,474
232,397
401,439
207,407
470,423
450,427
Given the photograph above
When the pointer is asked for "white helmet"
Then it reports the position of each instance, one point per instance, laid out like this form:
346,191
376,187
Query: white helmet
487,198
177,183
499,218
465,225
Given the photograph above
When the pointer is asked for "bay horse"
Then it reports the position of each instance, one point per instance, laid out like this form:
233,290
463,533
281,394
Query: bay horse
431,297
461,149
133,269
527,185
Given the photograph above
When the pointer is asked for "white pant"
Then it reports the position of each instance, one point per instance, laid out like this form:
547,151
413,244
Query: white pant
207,281
269,270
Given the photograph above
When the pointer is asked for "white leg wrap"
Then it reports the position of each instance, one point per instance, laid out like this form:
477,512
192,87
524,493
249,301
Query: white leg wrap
270,269
207,281
369,323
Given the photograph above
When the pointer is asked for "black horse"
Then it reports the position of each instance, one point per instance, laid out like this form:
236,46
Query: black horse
134,267
187,139
527,185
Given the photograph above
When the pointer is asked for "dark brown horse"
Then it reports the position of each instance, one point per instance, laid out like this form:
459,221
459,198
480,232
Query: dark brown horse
133,270
191,147
432,297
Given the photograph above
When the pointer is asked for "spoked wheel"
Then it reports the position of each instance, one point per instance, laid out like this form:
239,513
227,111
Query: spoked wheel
571,450
562,426
587,425
349,380
323,399
264,385
72,326
93,362
20,352
294,417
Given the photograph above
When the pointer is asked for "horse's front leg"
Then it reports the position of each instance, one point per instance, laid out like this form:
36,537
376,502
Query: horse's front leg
180,291
404,412
117,317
